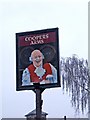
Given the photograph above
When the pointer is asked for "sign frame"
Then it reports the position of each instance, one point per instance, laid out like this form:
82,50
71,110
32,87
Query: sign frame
47,41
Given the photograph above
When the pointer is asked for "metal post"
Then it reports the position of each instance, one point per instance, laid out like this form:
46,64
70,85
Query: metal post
64,117
38,104
38,91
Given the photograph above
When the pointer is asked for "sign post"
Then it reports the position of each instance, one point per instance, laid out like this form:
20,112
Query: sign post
38,91
38,104
37,62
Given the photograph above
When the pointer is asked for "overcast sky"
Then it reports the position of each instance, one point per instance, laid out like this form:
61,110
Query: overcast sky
71,17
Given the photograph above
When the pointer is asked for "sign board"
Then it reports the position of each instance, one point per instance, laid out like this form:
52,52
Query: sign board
37,59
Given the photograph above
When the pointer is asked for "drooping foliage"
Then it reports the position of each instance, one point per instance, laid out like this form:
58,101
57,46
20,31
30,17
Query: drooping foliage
75,78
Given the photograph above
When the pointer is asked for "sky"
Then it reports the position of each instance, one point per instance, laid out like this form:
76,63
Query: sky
71,17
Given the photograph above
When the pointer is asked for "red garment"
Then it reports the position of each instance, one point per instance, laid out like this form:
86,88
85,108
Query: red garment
33,75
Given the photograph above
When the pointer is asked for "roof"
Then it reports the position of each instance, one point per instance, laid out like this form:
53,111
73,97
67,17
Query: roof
34,113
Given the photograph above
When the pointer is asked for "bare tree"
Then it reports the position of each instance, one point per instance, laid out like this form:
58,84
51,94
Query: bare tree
76,80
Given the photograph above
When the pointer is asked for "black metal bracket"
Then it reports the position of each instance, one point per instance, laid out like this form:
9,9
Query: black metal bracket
37,86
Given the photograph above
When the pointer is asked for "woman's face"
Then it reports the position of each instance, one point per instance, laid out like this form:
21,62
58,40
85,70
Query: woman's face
37,58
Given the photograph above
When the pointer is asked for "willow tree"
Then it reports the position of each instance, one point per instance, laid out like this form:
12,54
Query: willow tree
76,80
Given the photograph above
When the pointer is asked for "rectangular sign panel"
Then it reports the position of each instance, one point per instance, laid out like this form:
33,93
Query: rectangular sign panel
37,59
